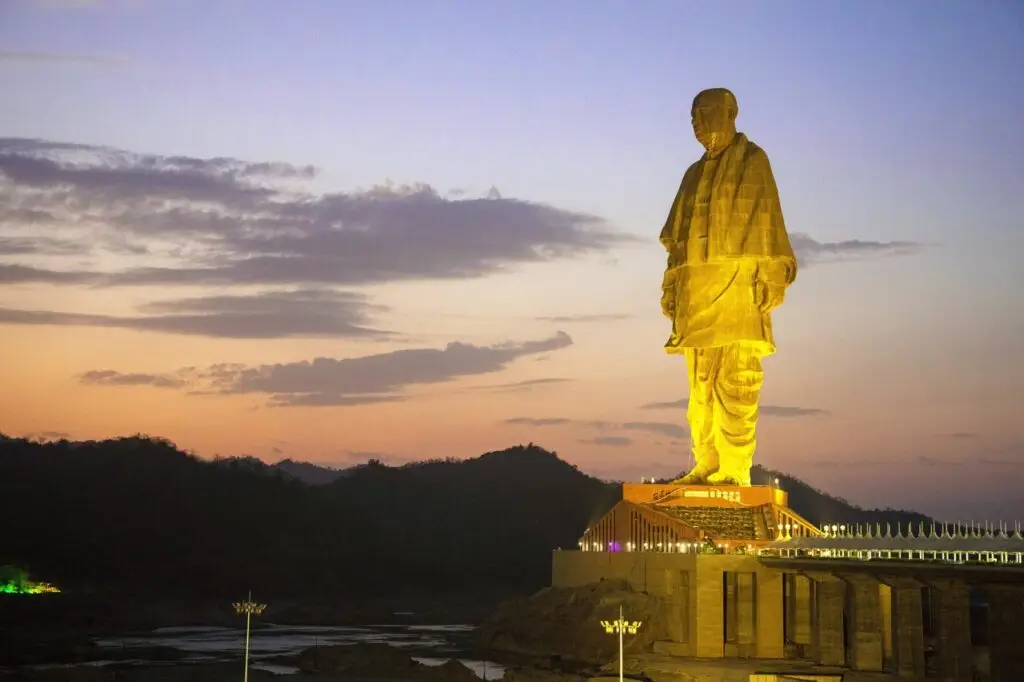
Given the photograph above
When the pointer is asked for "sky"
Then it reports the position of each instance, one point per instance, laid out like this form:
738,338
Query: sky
333,230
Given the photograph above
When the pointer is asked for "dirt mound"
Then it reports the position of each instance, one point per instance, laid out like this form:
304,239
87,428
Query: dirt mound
563,624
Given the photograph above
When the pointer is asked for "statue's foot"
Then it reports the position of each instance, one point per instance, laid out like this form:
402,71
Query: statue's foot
697,476
724,478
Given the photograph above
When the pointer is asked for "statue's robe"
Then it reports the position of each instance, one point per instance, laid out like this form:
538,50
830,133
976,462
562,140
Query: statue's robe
730,260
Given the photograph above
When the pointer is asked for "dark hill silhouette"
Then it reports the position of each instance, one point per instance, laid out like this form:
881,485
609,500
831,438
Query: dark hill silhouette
138,514
312,474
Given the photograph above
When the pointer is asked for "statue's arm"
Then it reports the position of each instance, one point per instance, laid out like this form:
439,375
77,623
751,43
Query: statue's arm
774,273
669,239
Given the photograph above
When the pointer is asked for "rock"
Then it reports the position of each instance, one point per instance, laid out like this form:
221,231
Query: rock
449,671
369,660
527,674
563,625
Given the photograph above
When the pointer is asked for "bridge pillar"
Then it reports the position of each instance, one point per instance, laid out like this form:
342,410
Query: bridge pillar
1005,632
746,620
803,607
798,613
708,619
952,613
907,627
866,649
770,641
829,599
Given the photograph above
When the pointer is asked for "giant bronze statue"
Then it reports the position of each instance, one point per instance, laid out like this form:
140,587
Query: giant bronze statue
729,264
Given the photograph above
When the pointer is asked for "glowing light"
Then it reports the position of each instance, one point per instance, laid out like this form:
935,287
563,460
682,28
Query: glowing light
28,587
15,581
619,627
249,608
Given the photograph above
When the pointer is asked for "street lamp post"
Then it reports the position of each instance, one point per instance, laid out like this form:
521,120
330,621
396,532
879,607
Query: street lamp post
248,607
621,627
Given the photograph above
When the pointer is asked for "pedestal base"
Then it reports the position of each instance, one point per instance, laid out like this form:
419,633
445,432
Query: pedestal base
673,495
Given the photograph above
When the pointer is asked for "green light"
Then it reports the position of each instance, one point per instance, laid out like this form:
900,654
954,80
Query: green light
15,581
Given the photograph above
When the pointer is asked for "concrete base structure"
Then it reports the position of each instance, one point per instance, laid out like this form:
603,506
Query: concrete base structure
907,627
727,605
865,614
1005,633
864,623
951,611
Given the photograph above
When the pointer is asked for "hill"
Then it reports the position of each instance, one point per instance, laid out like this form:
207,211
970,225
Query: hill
138,514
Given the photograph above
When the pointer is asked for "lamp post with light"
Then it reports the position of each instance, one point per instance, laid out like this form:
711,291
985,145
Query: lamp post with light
248,607
621,627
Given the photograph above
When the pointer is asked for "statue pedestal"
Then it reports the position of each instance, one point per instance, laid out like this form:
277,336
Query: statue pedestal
671,517
674,495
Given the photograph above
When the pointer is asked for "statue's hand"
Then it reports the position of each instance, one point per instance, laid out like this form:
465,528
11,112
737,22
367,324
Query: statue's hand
668,303
668,294
770,296
770,285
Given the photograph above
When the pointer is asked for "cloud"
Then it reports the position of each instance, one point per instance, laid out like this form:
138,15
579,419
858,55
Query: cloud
765,410
526,385
60,58
961,435
275,314
810,251
662,428
599,317
351,457
533,421
342,382
844,463
109,377
82,4
222,221
609,441
48,435
16,246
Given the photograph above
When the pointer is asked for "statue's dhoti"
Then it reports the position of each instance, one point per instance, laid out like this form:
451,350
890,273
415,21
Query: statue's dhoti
723,328
725,385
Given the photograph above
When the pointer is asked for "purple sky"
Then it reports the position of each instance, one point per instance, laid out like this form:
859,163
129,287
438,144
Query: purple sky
382,307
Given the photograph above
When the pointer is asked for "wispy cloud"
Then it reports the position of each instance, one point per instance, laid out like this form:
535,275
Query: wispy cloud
281,314
766,410
231,222
341,382
48,435
595,317
32,56
609,441
811,252
83,4
109,377
525,385
668,429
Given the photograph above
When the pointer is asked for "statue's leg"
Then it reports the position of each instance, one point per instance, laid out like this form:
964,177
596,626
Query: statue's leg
736,393
702,368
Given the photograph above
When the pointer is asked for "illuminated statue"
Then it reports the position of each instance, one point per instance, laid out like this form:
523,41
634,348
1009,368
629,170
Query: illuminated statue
729,264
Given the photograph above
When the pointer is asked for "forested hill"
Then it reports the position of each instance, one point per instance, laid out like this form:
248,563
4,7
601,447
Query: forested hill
137,513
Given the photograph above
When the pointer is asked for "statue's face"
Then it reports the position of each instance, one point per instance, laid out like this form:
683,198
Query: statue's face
711,119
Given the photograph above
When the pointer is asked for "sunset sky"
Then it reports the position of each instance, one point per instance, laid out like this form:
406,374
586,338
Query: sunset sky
330,230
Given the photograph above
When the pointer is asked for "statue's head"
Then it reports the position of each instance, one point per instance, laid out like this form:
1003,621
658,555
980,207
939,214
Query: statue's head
713,116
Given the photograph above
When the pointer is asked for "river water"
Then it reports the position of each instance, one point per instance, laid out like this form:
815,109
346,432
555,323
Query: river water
429,644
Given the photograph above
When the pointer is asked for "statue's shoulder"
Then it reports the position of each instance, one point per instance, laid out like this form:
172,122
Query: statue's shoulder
691,171
753,153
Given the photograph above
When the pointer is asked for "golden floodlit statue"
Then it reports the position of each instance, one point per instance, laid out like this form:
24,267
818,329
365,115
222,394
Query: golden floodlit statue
729,264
